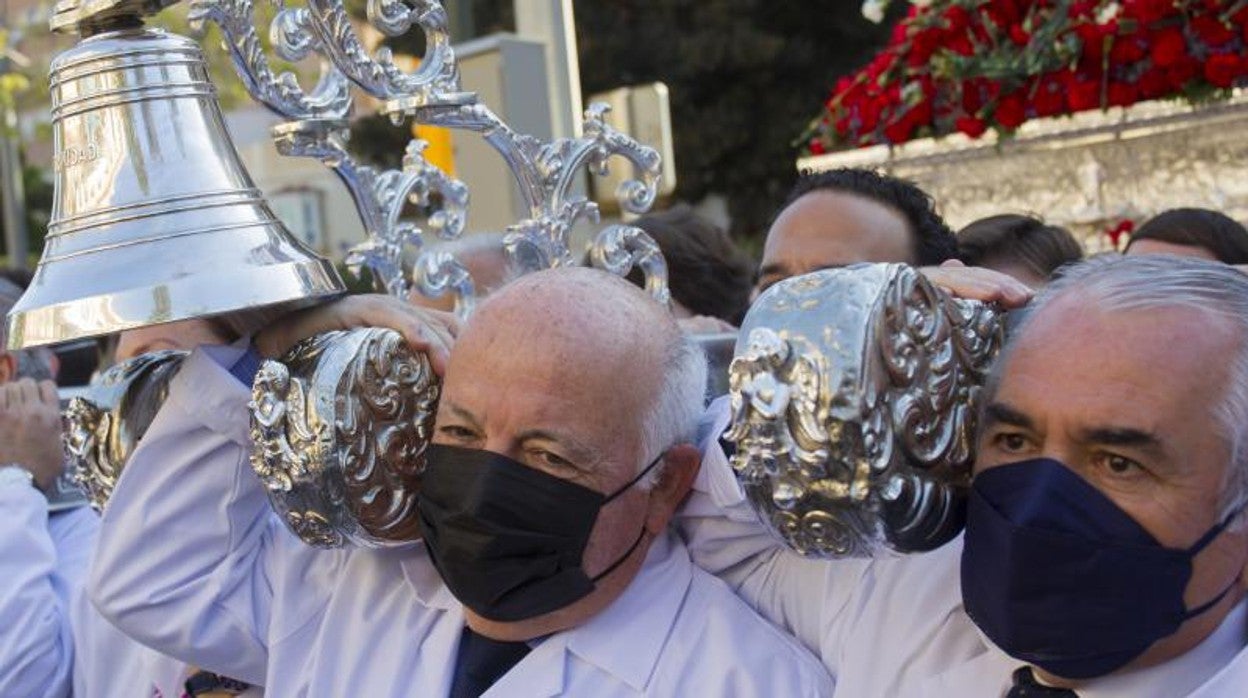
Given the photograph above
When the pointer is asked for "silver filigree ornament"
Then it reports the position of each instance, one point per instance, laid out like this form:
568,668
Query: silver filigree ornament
292,39
853,396
546,173
102,428
339,428
316,126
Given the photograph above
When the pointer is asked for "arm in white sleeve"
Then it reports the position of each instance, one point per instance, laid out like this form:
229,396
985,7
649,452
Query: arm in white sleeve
807,597
36,640
189,552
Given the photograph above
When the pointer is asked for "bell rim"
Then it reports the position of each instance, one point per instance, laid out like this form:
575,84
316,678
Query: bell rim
290,286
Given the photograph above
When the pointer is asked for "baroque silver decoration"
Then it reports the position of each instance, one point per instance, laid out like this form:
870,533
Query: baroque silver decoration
345,470
340,424
853,397
103,427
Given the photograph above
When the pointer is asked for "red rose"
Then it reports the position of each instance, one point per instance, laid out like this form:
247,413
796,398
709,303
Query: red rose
961,45
1122,94
1128,49
1019,36
1083,8
1211,30
1222,70
1093,41
1117,232
1049,98
1147,11
899,131
1011,111
1169,47
956,18
922,46
1083,93
816,147
1154,83
898,34
971,126
1183,72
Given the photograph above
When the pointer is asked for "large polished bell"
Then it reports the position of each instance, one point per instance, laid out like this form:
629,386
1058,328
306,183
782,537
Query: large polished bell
154,218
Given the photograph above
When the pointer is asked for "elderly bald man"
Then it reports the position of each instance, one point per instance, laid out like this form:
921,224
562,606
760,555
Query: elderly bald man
562,450
1106,547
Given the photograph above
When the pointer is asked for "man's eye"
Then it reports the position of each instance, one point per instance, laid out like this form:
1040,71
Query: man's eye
1118,465
551,460
457,432
1010,442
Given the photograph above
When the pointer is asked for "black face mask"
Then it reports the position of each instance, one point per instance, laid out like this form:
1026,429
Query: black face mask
506,538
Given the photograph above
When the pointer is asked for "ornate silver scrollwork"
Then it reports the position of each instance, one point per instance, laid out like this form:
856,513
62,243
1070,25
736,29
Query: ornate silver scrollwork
103,427
619,248
291,36
853,398
546,173
381,197
436,81
345,470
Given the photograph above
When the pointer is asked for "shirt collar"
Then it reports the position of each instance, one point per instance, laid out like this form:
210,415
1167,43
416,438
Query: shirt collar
1184,674
423,579
627,638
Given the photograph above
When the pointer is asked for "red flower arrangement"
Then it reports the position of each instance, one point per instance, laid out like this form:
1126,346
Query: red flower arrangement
1117,232
972,65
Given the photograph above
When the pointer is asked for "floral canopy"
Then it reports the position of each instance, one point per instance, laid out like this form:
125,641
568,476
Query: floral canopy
971,65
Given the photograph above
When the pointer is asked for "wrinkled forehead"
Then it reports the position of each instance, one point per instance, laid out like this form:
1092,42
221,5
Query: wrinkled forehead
1152,366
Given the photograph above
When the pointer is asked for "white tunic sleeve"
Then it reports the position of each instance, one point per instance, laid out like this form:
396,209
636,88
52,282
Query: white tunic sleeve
39,562
807,597
189,553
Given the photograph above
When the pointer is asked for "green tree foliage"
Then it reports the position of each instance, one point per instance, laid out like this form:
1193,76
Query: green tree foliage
742,75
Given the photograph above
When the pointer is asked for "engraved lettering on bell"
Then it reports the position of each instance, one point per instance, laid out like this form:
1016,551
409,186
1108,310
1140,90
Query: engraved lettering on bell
853,396
340,426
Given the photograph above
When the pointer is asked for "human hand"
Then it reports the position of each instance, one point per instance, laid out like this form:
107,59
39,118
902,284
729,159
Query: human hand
30,429
979,284
429,331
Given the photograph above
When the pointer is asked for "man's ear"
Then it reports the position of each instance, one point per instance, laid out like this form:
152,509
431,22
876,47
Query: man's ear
680,467
8,367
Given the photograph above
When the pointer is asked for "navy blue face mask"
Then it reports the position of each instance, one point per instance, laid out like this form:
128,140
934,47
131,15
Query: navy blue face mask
1060,577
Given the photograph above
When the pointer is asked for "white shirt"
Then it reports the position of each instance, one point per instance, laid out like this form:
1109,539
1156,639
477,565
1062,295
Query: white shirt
224,586
42,559
109,664
895,626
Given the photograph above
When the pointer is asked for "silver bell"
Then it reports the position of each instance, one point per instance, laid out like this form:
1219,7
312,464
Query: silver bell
154,218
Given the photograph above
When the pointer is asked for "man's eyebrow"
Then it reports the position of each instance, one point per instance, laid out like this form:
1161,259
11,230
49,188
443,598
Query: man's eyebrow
1001,413
1122,436
463,414
579,455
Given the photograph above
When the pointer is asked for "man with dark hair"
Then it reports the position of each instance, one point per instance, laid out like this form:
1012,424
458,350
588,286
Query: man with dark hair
706,273
851,215
1024,247
1192,232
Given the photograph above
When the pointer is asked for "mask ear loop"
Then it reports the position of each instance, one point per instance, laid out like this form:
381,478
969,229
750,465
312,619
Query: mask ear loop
1200,545
640,534
635,480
